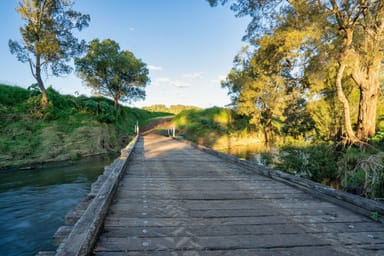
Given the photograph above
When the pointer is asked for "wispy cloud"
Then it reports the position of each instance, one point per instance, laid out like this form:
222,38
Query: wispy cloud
131,29
154,68
180,84
167,80
219,78
195,75
161,80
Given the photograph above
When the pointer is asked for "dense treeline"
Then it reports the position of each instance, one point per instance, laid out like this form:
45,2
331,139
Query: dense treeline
67,129
173,109
349,168
311,81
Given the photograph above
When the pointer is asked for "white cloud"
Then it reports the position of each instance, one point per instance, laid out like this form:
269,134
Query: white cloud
154,68
196,75
180,84
161,80
166,80
131,29
219,78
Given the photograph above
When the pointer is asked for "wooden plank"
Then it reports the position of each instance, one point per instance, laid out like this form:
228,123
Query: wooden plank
176,200
209,243
175,221
310,250
244,229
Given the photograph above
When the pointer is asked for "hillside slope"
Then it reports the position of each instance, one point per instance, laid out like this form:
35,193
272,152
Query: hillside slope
71,127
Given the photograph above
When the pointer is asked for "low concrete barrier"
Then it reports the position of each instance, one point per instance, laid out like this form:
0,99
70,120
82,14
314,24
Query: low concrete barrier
91,212
364,206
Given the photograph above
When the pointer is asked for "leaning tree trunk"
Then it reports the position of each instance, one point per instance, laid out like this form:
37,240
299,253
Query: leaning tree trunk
351,137
37,75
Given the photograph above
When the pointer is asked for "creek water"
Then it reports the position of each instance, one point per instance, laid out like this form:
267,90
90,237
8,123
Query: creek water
256,152
33,203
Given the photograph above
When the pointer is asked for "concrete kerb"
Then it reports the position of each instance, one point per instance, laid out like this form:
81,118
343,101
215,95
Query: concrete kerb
364,206
83,236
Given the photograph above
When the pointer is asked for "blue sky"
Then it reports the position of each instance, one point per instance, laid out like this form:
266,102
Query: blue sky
187,45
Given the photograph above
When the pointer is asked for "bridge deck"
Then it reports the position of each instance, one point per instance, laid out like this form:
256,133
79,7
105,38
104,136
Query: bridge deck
177,200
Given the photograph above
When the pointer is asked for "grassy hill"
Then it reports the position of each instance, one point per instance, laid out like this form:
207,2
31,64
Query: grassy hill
69,129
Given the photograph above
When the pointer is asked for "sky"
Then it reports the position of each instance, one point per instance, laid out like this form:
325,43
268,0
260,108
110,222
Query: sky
187,45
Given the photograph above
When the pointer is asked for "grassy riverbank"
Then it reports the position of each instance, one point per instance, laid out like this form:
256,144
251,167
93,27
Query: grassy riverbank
69,129
216,128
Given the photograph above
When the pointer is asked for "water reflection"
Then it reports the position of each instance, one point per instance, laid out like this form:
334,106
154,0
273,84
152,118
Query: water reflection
257,152
33,203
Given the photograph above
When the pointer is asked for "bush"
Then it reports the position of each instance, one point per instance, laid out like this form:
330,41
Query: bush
107,113
362,172
12,95
316,162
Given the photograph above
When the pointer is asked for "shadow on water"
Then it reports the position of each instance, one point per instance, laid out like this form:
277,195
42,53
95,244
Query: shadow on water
33,203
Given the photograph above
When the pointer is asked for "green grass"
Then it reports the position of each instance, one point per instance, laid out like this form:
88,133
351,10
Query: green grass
210,126
70,128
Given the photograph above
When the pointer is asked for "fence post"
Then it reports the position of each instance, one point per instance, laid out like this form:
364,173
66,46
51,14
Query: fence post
137,130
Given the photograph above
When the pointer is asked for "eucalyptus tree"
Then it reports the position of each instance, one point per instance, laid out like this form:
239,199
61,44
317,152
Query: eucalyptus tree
344,36
112,72
48,41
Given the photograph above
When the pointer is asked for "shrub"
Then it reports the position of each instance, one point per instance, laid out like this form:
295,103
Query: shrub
362,172
12,95
317,162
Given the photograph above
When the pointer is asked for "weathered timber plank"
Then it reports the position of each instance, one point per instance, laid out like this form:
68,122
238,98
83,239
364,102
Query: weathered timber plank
136,210
310,250
175,200
225,230
123,221
205,195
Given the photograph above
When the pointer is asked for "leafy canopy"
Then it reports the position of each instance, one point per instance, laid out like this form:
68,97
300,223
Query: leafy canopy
112,72
47,38
47,33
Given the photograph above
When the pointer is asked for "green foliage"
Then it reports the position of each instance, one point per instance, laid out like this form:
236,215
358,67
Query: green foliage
308,47
12,95
208,125
173,109
47,38
298,121
362,172
316,162
378,139
68,129
375,216
107,113
112,72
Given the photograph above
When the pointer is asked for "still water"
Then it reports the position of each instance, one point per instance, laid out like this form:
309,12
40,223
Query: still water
257,152
33,203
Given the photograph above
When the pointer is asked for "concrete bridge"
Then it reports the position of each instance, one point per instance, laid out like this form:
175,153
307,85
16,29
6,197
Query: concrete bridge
170,198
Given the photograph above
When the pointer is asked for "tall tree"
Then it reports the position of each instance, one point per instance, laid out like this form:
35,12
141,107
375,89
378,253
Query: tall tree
47,38
352,33
113,72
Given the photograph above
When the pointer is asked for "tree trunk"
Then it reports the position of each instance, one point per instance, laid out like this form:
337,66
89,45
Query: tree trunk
268,127
366,76
351,137
115,102
366,126
37,75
